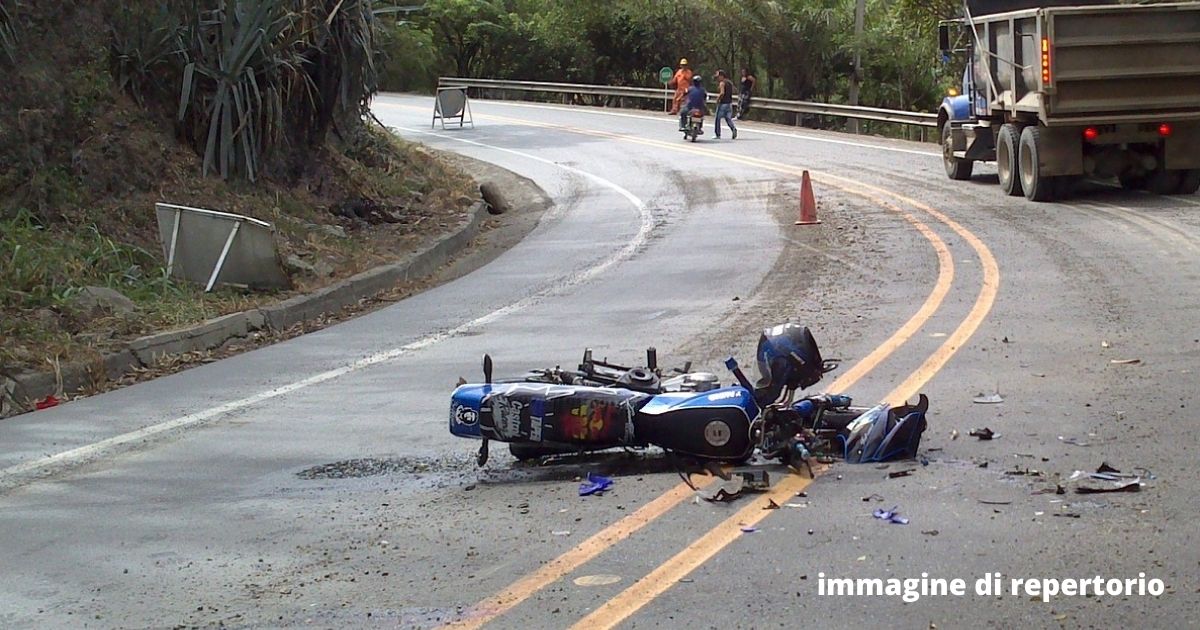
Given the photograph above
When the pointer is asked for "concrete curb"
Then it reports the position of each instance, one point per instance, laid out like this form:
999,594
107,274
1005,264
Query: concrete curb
27,387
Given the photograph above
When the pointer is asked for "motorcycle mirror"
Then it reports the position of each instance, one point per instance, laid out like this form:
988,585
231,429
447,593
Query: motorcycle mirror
487,369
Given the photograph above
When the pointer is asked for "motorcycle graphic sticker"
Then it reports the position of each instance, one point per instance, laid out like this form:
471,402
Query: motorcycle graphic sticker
591,421
465,415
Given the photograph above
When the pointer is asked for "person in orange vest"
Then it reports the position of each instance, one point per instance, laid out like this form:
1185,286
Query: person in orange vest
680,83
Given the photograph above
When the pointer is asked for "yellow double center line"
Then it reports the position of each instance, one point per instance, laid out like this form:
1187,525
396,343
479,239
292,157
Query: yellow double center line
699,551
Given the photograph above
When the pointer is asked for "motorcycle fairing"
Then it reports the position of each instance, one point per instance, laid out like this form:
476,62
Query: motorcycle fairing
465,403
883,434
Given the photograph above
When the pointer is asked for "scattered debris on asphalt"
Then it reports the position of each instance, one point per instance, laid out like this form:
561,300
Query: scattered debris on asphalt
595,484
1106,468
930,532
995,501
1133,486
46,403
988,399
891,516
561,532
771,505
739,482
872,497
1027,472
597,580
895,474
1125,361
1073,441
954,434
749,529
1067,514
984,434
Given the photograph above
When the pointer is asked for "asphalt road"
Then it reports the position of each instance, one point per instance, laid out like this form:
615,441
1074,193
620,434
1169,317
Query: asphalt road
314,482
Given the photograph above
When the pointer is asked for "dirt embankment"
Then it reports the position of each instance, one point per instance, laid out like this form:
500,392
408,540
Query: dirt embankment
82,162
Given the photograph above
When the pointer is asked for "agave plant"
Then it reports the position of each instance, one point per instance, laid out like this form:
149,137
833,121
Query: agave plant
142,45
242,71
260,73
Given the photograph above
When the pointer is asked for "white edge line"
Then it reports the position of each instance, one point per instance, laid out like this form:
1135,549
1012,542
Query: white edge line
97,448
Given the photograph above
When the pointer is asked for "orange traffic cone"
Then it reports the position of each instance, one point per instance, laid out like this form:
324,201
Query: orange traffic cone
808,202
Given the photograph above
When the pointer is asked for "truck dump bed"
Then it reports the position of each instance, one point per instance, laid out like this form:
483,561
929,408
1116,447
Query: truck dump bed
1127,61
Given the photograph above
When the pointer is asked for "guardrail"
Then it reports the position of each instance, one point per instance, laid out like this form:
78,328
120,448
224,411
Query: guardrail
918,119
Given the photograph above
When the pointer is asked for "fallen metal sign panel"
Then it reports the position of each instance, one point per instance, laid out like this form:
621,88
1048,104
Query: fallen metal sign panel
212,248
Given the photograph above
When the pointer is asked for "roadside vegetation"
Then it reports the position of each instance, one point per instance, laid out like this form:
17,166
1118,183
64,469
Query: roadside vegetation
256,107
798,49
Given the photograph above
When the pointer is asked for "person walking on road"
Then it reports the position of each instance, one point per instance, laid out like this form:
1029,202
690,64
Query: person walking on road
724,104
681,82
748,82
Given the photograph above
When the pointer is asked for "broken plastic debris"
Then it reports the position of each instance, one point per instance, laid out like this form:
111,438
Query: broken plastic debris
46,403
988,399
983,434
597,580
1105,344
901,473
1073,441
1125,361
1106,468
562,532
749,529
891,516
724,491
771,505
1133,486
595,484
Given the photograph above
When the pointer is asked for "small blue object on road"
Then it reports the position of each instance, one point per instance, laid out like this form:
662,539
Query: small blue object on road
595,484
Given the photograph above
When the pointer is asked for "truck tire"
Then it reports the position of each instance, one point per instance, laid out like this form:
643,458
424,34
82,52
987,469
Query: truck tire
955,168
1163,182
1189,182
1007,148
1037,187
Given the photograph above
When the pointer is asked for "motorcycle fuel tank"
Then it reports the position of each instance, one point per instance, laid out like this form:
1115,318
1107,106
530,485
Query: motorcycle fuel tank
713,424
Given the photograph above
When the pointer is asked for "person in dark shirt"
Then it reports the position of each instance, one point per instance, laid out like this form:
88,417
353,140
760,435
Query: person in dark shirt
748,82
696,99
724,104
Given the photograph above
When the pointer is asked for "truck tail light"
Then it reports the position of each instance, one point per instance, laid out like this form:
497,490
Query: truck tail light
1090,134
1164,130
1045,60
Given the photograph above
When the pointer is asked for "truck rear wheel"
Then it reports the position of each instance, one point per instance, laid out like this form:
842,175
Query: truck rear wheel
1189,182
956,168
1037,187
1007,145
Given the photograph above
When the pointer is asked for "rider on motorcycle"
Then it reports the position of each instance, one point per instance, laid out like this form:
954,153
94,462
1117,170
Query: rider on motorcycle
697,98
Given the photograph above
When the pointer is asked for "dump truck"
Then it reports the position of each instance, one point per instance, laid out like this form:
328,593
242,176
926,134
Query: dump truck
1054,92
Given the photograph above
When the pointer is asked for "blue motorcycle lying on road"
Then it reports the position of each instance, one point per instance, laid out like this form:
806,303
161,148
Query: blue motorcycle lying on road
602,406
